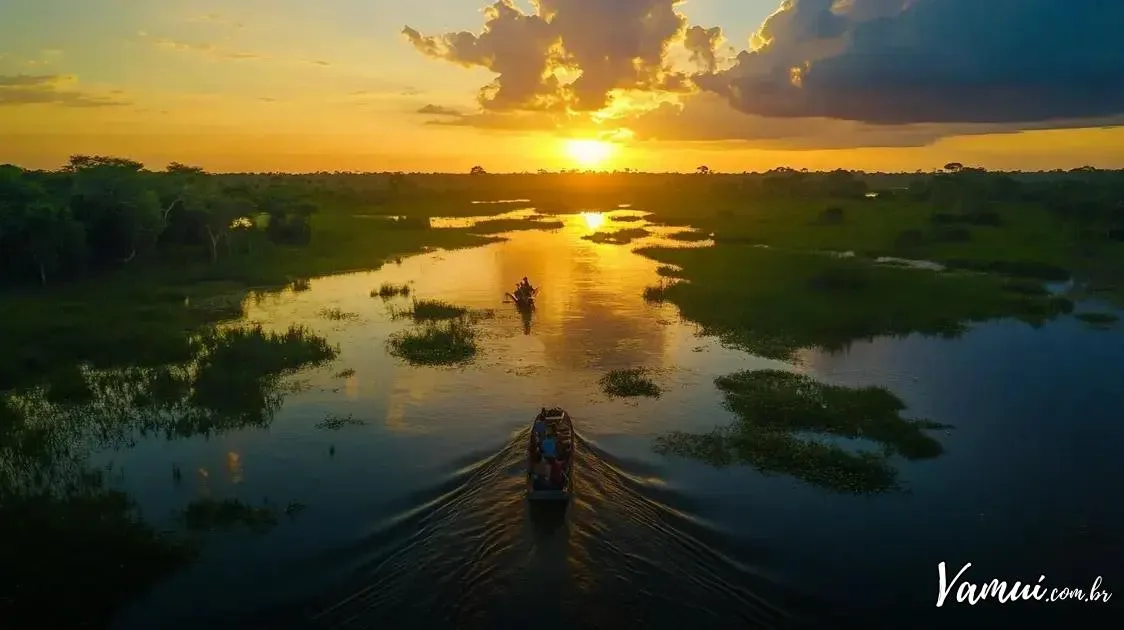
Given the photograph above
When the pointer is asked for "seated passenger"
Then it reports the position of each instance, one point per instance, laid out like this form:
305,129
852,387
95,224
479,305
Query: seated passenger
556,480
549,447
539,430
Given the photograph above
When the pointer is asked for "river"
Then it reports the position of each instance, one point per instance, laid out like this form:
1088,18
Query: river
416,518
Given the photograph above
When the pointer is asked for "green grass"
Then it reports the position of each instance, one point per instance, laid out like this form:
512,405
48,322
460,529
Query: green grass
89,545
774,408
1098,319
774,303
629,383
620,237
448,342
689,237
388,291
432,310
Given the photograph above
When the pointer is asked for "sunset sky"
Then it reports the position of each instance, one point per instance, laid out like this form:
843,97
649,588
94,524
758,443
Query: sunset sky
442,85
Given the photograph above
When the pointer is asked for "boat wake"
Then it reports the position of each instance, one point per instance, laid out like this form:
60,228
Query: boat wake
473,552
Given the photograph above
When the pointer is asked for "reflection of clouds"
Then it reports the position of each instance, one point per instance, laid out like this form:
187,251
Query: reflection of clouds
411,388
351,387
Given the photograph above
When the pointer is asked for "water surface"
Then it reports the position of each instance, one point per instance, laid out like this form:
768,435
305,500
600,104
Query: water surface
416,518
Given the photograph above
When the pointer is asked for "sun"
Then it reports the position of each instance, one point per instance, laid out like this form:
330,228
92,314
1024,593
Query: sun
589,153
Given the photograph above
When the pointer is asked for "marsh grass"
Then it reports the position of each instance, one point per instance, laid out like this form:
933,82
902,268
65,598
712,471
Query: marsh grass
626,219
629,383
388,291
774,406
1098,319
689,237
431,310
299,285
346,373
669,271
774,303
337,314
620,237
335,423
447,342
498,226
205,515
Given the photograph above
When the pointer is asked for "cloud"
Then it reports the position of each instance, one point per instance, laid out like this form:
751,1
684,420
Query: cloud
217,19
440,110
931,61
569,54
52,89
208,50
703,44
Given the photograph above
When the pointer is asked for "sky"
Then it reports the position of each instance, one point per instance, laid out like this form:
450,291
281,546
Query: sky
656,85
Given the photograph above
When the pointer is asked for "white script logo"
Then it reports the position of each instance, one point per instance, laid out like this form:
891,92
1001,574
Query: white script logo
972,593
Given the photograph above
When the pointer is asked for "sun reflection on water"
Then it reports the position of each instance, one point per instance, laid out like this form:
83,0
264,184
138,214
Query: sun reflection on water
593,220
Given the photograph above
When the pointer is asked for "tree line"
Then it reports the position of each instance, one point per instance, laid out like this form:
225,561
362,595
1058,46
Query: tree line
98,212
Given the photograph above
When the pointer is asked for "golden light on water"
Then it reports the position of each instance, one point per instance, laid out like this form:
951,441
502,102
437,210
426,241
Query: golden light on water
589,153
593,220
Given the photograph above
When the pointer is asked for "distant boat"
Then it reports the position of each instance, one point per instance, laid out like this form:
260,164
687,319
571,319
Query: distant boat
542,488
523,301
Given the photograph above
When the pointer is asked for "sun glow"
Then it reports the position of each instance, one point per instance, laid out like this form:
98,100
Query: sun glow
589,153
593,220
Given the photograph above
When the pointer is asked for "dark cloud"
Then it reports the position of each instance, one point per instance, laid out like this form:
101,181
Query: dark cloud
595,46
440,110
955,61
703,45
53,89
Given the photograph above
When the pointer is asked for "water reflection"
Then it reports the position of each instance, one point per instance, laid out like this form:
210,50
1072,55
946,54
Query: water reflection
417,519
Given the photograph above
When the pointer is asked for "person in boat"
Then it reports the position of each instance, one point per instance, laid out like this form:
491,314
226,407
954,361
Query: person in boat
557,481
539,430
549,446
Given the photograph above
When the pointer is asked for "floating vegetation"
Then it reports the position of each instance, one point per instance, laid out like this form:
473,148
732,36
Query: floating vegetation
620,237
204,515
774,406
689,237
335,423
669,271
431,310
1098,319
348,373
629,383
773,303
627,219
388,291
658,293
497,226
337,315
436,343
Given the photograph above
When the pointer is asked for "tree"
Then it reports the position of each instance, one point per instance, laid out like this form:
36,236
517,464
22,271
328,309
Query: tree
703,170
111,198
954,167
51,234
477,170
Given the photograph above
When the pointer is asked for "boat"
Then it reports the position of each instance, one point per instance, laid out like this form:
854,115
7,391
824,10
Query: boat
561,427
523,301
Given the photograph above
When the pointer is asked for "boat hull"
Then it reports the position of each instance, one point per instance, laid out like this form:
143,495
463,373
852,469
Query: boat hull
564,428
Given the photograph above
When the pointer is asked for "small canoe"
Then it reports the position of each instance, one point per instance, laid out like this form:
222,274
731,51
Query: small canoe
525,303
541,484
